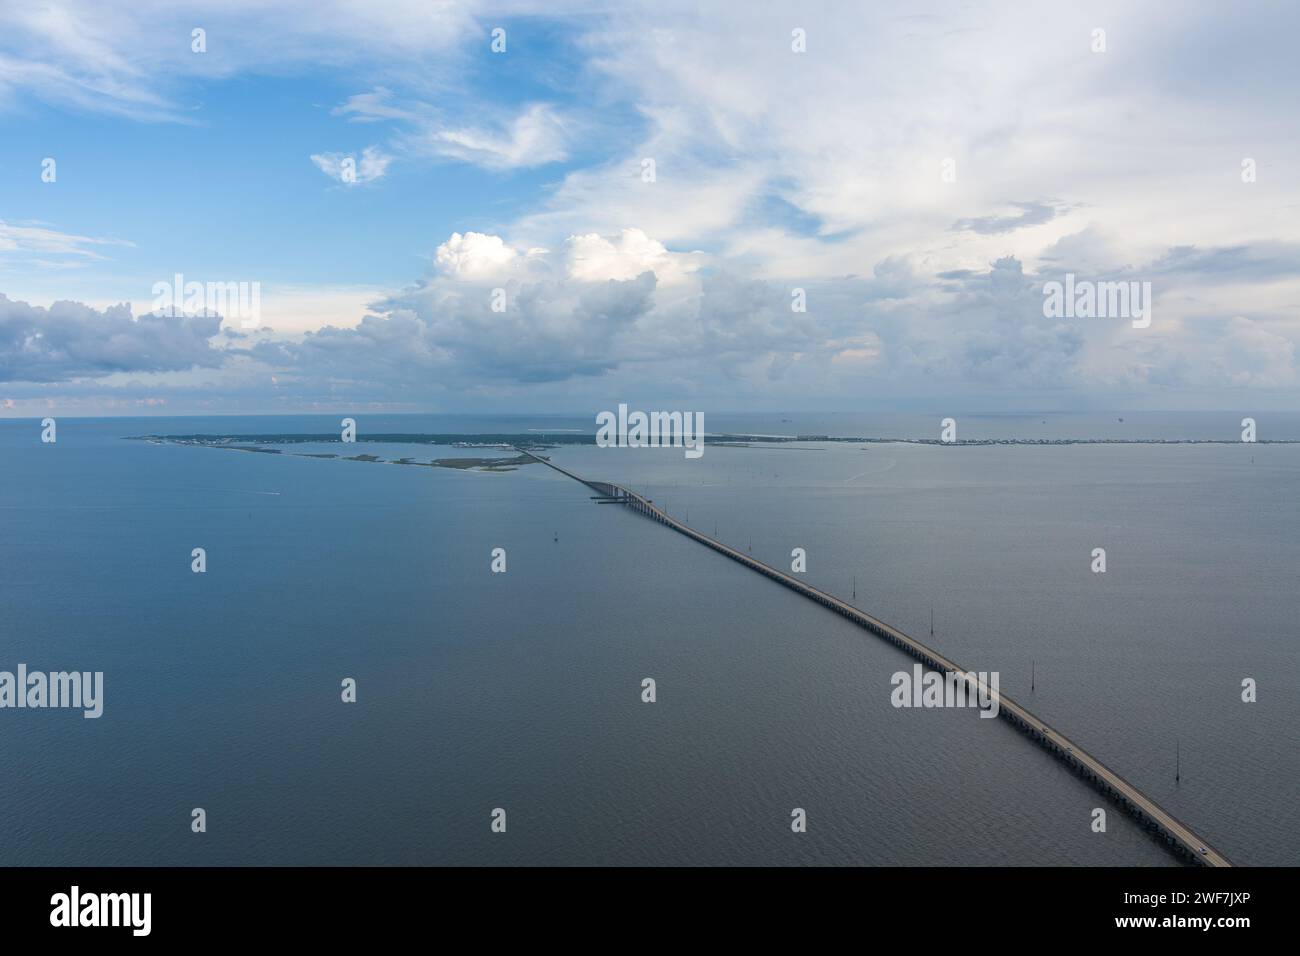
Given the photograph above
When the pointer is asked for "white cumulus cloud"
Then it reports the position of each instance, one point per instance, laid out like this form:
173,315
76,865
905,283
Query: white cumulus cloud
593,258
474,255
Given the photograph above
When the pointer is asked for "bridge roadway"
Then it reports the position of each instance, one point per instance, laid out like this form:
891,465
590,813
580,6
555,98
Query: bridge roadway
1177,835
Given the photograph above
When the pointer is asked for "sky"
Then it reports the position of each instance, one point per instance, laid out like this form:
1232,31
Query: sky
560,207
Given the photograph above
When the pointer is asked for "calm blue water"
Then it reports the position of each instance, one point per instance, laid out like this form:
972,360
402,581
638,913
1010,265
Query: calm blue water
522,690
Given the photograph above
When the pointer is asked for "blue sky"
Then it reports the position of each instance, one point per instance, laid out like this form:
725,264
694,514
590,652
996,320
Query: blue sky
228,184
919,175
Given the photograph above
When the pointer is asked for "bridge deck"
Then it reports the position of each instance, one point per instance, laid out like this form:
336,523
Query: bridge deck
1175,833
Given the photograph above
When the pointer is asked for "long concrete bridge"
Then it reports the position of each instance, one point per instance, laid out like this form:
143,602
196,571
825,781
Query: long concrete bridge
1164,825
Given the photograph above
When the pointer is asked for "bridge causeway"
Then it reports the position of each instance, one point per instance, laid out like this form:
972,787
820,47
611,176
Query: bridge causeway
1164,825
